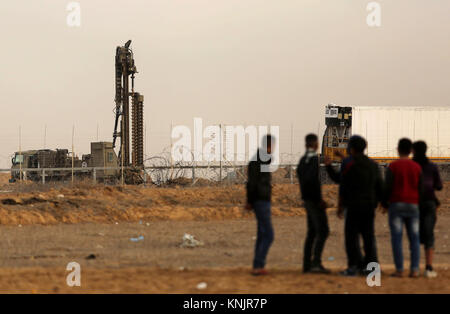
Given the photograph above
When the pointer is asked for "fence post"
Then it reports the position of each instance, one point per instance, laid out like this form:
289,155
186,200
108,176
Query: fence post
94,175
43,175
291,175
220,171
193,173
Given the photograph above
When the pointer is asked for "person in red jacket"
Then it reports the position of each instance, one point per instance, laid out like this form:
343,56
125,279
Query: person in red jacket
403,191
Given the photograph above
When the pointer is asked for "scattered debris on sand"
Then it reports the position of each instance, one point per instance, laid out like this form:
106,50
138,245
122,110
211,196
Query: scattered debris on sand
190,241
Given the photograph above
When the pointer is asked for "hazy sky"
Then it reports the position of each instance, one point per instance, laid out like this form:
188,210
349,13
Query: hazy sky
226,61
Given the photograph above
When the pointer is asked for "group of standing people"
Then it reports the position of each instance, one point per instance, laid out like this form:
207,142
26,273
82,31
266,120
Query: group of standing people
407,194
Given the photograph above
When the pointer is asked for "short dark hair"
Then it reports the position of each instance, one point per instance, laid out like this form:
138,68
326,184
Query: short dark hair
357,143
310,139
420,153
420,148
404,146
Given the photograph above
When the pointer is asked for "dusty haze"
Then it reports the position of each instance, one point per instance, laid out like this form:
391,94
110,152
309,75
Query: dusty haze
227,61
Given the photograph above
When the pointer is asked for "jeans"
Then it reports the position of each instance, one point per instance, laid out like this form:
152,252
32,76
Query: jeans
408,214
265,234
317,234
360,221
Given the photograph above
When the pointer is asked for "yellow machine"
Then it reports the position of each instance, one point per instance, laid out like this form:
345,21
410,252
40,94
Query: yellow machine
338,121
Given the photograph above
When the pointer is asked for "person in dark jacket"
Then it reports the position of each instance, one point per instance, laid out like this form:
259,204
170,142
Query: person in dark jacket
317,222
360,191
428,203
259,191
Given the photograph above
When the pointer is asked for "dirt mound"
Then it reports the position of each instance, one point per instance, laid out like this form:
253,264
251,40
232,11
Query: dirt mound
4,178
132,203
107,204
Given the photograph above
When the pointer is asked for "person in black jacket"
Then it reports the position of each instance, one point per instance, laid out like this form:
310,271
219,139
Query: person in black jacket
360,191
428,203
317,222
259,190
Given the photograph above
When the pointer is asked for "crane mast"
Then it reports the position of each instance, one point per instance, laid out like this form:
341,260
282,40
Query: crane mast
124,70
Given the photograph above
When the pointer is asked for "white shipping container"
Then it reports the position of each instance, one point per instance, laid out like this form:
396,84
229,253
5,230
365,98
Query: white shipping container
384,126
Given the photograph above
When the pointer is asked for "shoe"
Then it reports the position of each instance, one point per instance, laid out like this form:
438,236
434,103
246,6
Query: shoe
414,274
259,272
349,272
306,267
397,274
319,269
365,272
430,274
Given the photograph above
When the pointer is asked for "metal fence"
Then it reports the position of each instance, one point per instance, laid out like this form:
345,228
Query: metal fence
210,174
158,175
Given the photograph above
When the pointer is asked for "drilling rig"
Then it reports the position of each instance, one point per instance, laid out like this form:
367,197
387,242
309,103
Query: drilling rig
126,69
102,153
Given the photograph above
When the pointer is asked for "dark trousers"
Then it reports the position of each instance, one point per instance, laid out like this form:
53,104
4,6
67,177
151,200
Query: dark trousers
360,221
265,234
427,222
317,234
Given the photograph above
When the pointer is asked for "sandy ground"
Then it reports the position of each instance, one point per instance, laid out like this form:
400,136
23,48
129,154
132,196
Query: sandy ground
43,228
33,259
223,280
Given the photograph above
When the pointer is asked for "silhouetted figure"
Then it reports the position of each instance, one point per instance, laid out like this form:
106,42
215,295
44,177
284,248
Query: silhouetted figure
259,192
360,191
317,222
428,203
402,196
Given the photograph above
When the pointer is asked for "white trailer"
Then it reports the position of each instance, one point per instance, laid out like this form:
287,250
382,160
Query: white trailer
384,126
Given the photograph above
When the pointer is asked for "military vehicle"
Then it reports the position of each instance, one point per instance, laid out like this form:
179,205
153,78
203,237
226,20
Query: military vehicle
102,155
59,164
